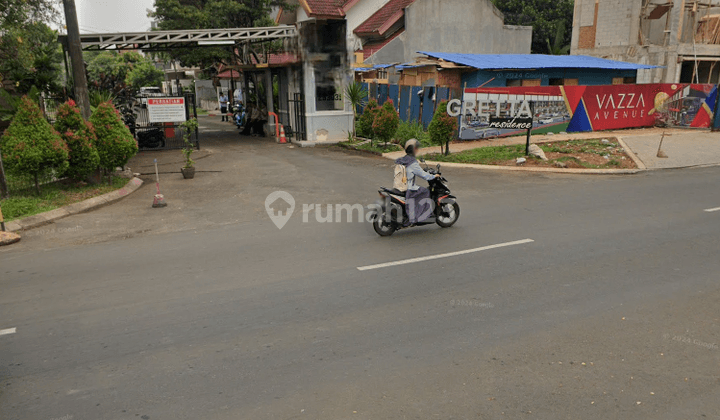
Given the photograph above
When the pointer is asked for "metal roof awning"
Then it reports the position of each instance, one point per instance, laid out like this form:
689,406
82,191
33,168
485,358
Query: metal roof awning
533,61
168,40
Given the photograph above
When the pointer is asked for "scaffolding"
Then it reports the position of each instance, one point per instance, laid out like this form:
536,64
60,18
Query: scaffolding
168,40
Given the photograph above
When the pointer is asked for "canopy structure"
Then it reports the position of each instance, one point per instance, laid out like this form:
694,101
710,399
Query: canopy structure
533,61
168,40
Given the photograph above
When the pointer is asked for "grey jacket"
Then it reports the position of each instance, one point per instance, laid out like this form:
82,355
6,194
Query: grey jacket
413,170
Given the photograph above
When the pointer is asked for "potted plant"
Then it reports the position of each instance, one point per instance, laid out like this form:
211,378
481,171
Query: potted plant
189,127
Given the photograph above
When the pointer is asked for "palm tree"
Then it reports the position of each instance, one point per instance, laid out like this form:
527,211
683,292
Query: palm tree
357,95
556,47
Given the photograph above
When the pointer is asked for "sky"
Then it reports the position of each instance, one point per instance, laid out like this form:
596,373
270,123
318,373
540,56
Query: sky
97,16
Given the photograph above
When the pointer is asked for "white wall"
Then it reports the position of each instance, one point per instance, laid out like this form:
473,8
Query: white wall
358,14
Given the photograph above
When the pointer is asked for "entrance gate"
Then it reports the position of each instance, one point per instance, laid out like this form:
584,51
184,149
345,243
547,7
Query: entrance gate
159,136
298,111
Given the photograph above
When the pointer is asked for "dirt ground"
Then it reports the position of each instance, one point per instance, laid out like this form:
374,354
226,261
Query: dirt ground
583,154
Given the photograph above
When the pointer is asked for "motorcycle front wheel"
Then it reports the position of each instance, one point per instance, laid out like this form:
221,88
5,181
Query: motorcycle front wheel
449,214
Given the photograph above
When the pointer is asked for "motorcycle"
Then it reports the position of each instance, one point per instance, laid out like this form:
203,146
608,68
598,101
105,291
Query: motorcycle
129,119
390,213
151,138
239,115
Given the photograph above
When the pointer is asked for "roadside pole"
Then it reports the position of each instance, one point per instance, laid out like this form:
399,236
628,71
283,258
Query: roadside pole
3,182
716,117
78,64
529,132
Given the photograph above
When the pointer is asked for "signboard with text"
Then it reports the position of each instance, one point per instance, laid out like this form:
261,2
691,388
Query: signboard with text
161,110
585,108
502,123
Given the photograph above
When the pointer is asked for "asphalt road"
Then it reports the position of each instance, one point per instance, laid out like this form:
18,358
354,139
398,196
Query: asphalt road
611,312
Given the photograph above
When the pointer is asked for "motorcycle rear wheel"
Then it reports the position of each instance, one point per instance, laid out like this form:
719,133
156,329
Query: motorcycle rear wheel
383,227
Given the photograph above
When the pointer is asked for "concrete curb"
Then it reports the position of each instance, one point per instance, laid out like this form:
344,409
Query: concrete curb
76,208
546,170
639,163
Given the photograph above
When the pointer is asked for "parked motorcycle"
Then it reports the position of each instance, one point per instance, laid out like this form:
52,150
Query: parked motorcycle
129,119
151,138
390,213
239,115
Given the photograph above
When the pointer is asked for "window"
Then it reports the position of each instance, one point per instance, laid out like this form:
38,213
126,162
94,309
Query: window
557,82
514,83
531,82
571,82
382,74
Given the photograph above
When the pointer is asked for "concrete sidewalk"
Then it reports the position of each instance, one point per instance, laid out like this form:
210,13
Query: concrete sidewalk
683,148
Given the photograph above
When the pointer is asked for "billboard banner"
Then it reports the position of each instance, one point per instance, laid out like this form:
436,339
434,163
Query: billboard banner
589,108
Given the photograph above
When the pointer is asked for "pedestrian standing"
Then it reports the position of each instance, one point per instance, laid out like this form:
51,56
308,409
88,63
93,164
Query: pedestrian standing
224,106
238,95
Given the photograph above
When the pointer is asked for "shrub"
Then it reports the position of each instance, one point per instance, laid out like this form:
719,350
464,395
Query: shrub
386,122
31,146
365,122
411,130
443,127
80,138
115,144
189,128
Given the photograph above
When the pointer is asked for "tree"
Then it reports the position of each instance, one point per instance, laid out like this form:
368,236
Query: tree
16,13
115,144
364,125
108,70
557,47
31,146
31,56
80,138
356,94
211,14
443,127
144,74
386,122
543,15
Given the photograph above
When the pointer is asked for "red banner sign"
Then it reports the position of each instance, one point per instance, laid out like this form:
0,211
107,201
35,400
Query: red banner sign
610,107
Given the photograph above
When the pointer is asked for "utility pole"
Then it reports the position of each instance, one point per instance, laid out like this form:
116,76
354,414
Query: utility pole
78,64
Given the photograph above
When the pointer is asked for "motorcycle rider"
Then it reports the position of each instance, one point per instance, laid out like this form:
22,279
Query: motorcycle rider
418,202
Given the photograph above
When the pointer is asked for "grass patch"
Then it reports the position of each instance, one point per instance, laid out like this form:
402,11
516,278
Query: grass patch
596,147
482,155
379,147
589,154
53,196
201,111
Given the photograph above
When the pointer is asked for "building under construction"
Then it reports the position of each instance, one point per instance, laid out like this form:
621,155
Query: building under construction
680,36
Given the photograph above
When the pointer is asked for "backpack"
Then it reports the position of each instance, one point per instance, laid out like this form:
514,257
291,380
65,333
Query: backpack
400,178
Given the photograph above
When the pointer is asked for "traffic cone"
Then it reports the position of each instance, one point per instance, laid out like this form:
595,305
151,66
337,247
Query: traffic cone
283,139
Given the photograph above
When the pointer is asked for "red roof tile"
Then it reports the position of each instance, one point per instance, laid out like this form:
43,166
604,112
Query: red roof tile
384,18
324,8
227,74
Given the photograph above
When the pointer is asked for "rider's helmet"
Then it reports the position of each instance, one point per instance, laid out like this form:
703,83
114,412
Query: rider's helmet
412,146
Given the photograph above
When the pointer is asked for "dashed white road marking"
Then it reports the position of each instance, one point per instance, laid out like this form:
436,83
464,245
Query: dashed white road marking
8,331
450,254
712,210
